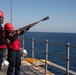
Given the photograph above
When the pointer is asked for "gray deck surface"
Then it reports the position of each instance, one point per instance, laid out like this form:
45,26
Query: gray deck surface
27,69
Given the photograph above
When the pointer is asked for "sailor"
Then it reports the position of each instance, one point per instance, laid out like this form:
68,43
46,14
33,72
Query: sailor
3,42
14,53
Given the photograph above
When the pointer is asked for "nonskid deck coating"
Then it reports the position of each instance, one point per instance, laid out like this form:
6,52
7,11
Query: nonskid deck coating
27,69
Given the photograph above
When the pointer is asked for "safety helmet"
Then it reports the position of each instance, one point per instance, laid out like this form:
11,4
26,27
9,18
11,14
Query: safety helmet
1,14
8,26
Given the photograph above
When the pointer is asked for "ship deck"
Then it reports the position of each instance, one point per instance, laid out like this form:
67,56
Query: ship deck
27,69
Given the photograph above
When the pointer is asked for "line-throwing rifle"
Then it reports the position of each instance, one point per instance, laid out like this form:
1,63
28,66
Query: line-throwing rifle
25,28
32,24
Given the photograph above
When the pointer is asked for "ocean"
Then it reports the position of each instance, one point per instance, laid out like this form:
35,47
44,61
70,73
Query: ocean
55,51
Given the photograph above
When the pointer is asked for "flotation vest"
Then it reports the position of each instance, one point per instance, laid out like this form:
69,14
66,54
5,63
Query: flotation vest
15,45
2,34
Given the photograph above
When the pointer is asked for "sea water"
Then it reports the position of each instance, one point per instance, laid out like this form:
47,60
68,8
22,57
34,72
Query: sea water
61,38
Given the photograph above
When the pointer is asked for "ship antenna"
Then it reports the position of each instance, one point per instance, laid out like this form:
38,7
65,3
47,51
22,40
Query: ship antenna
11,11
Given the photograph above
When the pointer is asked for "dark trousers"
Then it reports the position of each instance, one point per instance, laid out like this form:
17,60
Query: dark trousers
1,57
14,58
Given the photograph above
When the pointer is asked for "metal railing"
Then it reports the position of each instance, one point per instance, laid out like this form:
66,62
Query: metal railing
61,68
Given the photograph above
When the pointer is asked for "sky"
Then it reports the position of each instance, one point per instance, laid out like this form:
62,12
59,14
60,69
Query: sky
62,14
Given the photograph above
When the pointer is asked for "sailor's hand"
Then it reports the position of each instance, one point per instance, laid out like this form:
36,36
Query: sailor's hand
7,41
18,31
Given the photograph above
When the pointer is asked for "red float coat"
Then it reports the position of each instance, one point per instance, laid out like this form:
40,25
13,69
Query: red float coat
15,45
